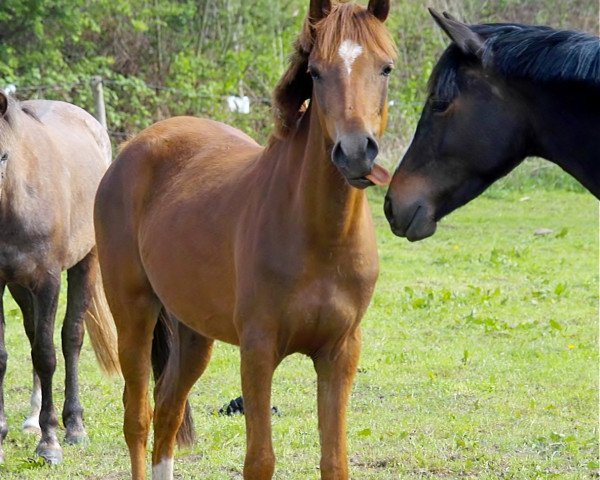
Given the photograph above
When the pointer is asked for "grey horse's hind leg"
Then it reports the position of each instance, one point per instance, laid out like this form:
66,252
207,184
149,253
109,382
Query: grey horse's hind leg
3,359
81,278
24,299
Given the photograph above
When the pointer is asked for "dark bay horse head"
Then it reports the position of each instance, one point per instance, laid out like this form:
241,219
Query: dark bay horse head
341,63
499,93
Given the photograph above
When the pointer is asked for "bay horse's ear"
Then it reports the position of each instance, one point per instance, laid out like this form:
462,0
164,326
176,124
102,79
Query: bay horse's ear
449,17
319,9
379,8
466,39
3,104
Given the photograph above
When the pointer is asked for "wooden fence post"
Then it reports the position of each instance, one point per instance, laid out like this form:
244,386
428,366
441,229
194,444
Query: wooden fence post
98,92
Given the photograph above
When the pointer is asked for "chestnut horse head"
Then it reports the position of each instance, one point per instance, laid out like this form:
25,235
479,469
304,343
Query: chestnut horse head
498,94
341,63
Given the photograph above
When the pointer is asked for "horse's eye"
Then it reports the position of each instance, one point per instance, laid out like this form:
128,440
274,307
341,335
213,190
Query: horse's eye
439,106
387,70
4,158
314,73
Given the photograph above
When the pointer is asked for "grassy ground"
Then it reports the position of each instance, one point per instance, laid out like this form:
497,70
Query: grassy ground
480,361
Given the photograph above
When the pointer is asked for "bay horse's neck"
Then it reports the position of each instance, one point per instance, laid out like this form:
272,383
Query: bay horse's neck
326,207
566,127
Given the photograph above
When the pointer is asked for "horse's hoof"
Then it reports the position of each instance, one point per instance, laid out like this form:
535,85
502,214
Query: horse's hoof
77,437
51,454
32,427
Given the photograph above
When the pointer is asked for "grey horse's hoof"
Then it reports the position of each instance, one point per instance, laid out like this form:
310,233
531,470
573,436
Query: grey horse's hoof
77,437
32,425
52,454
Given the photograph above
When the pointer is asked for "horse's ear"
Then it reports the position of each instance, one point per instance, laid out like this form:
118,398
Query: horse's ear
319,9
293,89
449,17
379,8
466,39
3,103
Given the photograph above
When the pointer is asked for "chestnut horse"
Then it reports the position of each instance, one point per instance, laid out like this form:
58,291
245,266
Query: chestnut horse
499,93
52,157
272,249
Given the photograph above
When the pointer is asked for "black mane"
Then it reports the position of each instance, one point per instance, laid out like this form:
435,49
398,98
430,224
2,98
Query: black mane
538,53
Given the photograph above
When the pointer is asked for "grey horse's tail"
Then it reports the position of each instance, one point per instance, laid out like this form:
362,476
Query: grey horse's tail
101,329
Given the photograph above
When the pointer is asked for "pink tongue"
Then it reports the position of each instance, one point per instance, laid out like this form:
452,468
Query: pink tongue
379,175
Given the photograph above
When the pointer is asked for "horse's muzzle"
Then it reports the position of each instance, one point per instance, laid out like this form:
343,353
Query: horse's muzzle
412,220
354,156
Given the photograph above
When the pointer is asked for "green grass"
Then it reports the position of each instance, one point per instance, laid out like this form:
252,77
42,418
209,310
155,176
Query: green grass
480,361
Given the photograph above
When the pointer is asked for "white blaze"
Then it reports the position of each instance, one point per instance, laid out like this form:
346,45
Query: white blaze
164,470
349,51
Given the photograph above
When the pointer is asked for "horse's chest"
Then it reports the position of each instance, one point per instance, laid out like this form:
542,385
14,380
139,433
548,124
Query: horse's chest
323,311
24,250
15,263
319,302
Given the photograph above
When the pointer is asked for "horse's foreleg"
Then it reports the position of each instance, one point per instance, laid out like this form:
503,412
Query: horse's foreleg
3,360
335,371
43,355
188,359
81,279
258,363
24,299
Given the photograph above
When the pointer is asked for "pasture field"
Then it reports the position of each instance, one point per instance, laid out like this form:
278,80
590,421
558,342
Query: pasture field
480,361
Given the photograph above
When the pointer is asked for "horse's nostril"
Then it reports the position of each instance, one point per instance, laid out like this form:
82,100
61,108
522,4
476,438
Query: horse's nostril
388,209
337,154
372,148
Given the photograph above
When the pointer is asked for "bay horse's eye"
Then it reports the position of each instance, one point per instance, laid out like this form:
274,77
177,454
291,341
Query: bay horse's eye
387,70
439,106
314,73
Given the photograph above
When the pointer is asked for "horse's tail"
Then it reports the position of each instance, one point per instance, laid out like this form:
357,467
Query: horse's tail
101,329
162,344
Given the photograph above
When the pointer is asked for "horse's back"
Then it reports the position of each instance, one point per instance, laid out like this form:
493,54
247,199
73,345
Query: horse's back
179,156
67,119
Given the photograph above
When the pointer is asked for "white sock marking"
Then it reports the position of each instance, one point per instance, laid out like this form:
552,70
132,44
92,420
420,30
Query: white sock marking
33,421
164,470
349,51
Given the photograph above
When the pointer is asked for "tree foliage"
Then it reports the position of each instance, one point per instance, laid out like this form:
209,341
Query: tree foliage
170,57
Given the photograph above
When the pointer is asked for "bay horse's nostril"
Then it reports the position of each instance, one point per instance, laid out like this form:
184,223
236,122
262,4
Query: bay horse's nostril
388,209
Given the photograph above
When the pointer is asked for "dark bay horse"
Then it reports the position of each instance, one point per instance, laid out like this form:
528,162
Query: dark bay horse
498,94
52,157
271,249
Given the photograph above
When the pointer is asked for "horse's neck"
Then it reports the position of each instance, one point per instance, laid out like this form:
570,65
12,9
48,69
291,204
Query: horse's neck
325,206
566,126
16,182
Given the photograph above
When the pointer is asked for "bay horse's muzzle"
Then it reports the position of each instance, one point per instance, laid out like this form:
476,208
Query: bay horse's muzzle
354,155
411,219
